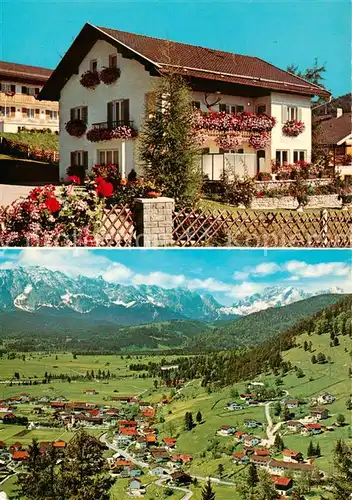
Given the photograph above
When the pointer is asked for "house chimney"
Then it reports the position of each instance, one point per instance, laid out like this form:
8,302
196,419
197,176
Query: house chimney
339,112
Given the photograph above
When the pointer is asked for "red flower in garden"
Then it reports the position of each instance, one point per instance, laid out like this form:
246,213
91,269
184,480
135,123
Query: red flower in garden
104,188
52,205
75,179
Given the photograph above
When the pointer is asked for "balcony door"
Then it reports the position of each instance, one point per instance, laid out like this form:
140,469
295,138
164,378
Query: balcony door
260,161
118,113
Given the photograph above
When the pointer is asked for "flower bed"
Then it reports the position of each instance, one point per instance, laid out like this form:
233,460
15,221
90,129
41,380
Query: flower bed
293,128
90,79
105,134
301,169
47,218
110,75
76,128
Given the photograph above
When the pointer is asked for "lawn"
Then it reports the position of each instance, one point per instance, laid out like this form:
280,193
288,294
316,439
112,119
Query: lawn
35,140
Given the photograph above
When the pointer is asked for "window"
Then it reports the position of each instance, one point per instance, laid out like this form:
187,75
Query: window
196,104
261,109
6,111
227,108
233,151
281,157
118,111
105,157
113,61
7,87
299,156
93,65
51,115
30,113
79,159
79,113
291,113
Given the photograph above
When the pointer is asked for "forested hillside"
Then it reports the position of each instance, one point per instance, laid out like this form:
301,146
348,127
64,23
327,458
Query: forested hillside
257,327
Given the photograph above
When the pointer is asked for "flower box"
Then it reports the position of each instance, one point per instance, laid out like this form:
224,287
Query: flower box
110,75
260,141
90,79
105,134
76,128
153,194
293,128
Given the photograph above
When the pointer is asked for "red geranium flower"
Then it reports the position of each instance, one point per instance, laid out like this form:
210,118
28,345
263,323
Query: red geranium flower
104,188
75,179
52,205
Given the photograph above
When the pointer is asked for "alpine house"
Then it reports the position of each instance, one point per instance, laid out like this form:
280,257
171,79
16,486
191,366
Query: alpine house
248,111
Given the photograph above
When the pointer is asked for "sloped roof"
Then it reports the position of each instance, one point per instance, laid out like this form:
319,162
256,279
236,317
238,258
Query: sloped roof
161,56
335,130
14,70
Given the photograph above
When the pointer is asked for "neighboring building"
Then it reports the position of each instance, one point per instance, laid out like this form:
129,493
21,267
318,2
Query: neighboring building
220,81
319,413
19,86
226,430
292,403
325,398
292,456
335,136
294,425
284,485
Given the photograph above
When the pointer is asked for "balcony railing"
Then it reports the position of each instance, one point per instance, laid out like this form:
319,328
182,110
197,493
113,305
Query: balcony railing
113,124
25,99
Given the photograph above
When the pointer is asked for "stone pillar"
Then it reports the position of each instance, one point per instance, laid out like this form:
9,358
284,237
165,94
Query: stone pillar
154,222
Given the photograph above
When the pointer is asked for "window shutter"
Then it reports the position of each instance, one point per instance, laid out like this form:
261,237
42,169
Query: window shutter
73,158
24,111
85,159
13,111
13,88
72,114
36,91
85,114
299,114
284,114
109,113
24,90
37,111
126,110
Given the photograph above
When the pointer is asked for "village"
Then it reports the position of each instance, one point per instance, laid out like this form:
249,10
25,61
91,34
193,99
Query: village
135,445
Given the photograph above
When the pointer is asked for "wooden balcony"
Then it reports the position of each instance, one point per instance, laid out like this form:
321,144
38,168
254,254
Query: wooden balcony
21,99
113,124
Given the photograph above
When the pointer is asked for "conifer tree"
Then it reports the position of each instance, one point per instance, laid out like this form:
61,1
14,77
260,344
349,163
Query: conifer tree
207,492
168,147
252,478
199,417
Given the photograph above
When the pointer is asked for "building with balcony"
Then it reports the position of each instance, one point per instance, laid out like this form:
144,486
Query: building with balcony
267,110
19,107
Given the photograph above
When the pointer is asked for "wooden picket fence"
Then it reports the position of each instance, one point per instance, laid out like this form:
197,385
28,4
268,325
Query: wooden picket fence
117,227
263,229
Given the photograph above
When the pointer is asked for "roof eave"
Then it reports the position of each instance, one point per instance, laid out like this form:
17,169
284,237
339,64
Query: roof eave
80,47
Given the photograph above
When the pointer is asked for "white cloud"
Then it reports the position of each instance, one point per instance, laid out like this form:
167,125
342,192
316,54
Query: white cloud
266,268
117,273
240,275
304,270
157,278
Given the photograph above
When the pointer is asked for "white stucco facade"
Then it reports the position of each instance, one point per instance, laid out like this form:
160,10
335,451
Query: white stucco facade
134,83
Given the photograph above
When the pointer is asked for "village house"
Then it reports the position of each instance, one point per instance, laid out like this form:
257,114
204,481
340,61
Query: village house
157,470
335,137
234,406
311,429
292,456
325,398
294,425
251,441
240,458
112,112
252,424
135,488
19,86
240,436
291,403
319,413
226,430
280,467
169,443
180,478
159,455
284,485
182,459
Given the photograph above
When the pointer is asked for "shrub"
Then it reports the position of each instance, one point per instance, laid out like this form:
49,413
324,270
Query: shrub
238,191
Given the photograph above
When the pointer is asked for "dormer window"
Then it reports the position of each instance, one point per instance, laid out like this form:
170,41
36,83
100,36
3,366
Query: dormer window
93,65
113,61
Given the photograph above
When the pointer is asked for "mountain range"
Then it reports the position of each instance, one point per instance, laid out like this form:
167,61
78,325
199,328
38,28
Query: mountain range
37,290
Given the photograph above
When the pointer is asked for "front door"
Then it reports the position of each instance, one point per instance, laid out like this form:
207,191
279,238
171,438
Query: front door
260,160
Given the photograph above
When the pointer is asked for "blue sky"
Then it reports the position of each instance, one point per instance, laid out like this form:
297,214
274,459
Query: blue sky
39,32
227,274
